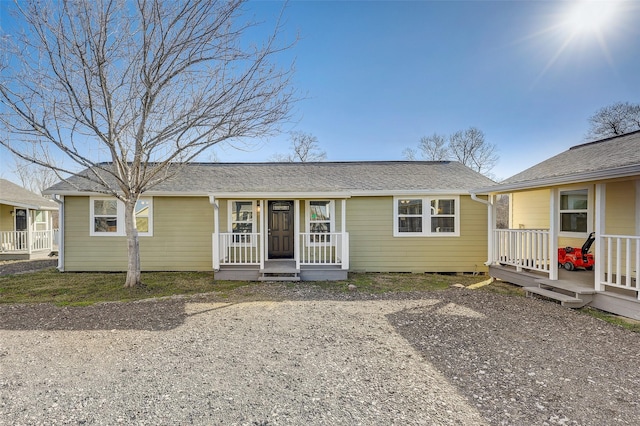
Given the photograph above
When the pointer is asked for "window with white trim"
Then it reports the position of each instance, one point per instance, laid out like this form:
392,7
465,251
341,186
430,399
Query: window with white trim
574,211
107,216
426,216
320,216
242,220
40,220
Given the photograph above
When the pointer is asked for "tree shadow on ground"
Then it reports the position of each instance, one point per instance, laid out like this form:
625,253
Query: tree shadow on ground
146,315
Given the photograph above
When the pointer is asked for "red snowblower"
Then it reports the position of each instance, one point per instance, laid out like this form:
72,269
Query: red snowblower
571,258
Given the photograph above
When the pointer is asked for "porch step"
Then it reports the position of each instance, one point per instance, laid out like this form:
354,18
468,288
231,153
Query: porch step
565,300
570,286
276,278
279,273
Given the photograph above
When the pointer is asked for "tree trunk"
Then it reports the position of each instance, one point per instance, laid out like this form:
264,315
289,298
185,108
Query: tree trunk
133,245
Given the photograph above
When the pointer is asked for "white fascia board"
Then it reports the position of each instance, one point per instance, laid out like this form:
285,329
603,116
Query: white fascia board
407,192
280,195
27,206
620,172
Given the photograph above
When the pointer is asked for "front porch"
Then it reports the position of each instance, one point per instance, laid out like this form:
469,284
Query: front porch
27,245
528,258
269,240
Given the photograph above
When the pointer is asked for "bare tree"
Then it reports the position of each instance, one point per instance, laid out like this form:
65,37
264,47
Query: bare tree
410,154
33,177
144,85
304,149
468,147
434,147
471,149
613,120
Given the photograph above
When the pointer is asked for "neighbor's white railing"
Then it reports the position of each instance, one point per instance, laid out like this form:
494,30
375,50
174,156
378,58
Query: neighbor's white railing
324,248
621,262
522,248
23,241
236,249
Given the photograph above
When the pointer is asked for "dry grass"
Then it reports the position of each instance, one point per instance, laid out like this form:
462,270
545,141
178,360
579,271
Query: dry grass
70,288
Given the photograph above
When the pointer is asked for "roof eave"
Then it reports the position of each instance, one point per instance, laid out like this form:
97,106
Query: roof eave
615,173
27,205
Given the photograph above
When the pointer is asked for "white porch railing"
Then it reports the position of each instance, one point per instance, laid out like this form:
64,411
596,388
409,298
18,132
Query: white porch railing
236,249
522,248
324,248
621,262
26,242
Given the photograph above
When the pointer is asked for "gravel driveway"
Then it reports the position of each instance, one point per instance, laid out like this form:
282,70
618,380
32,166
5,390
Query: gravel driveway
303,356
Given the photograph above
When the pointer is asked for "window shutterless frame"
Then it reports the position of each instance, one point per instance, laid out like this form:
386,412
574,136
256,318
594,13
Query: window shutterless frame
426,216
320,219
107,217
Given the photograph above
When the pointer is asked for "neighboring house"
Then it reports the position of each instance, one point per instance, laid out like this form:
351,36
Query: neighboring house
286,221
593,187
26,223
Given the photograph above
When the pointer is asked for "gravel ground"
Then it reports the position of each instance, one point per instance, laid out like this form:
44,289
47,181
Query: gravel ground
287,355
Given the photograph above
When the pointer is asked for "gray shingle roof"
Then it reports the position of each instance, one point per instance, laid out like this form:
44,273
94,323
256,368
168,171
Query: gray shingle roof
15,195
352,177
590,161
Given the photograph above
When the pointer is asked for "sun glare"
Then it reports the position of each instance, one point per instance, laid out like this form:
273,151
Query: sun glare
585,16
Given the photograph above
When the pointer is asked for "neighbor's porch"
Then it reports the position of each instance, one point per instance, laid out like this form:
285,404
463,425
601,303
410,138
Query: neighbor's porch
26,233
280,239
529,258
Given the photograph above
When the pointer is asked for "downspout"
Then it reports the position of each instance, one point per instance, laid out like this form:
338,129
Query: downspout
490,222
215,249
60,201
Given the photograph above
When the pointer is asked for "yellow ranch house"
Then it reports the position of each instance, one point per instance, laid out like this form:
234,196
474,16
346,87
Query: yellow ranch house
286,221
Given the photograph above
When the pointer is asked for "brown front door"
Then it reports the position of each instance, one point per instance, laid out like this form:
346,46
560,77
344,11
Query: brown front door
281,235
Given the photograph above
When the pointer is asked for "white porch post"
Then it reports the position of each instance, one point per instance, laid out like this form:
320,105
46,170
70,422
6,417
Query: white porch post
553,234
29,231
601,195
264,232
296,232
345,236
491,226
216,234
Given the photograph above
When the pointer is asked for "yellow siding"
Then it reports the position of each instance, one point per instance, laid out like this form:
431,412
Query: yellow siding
530,210
6,220
620,215
181,241
375,249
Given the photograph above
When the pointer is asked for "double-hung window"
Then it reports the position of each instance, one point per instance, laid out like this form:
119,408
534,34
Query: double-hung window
320,220
104,217
574,211
426,216
107,216
242,220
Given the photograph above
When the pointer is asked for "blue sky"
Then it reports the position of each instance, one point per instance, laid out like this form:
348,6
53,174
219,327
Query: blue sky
377,76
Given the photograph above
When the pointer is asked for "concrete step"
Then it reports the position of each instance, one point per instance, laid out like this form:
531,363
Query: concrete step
568,301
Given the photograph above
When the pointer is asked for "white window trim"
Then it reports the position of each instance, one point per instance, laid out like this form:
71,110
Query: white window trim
426,216
332,222
568,234
120,232
254,209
